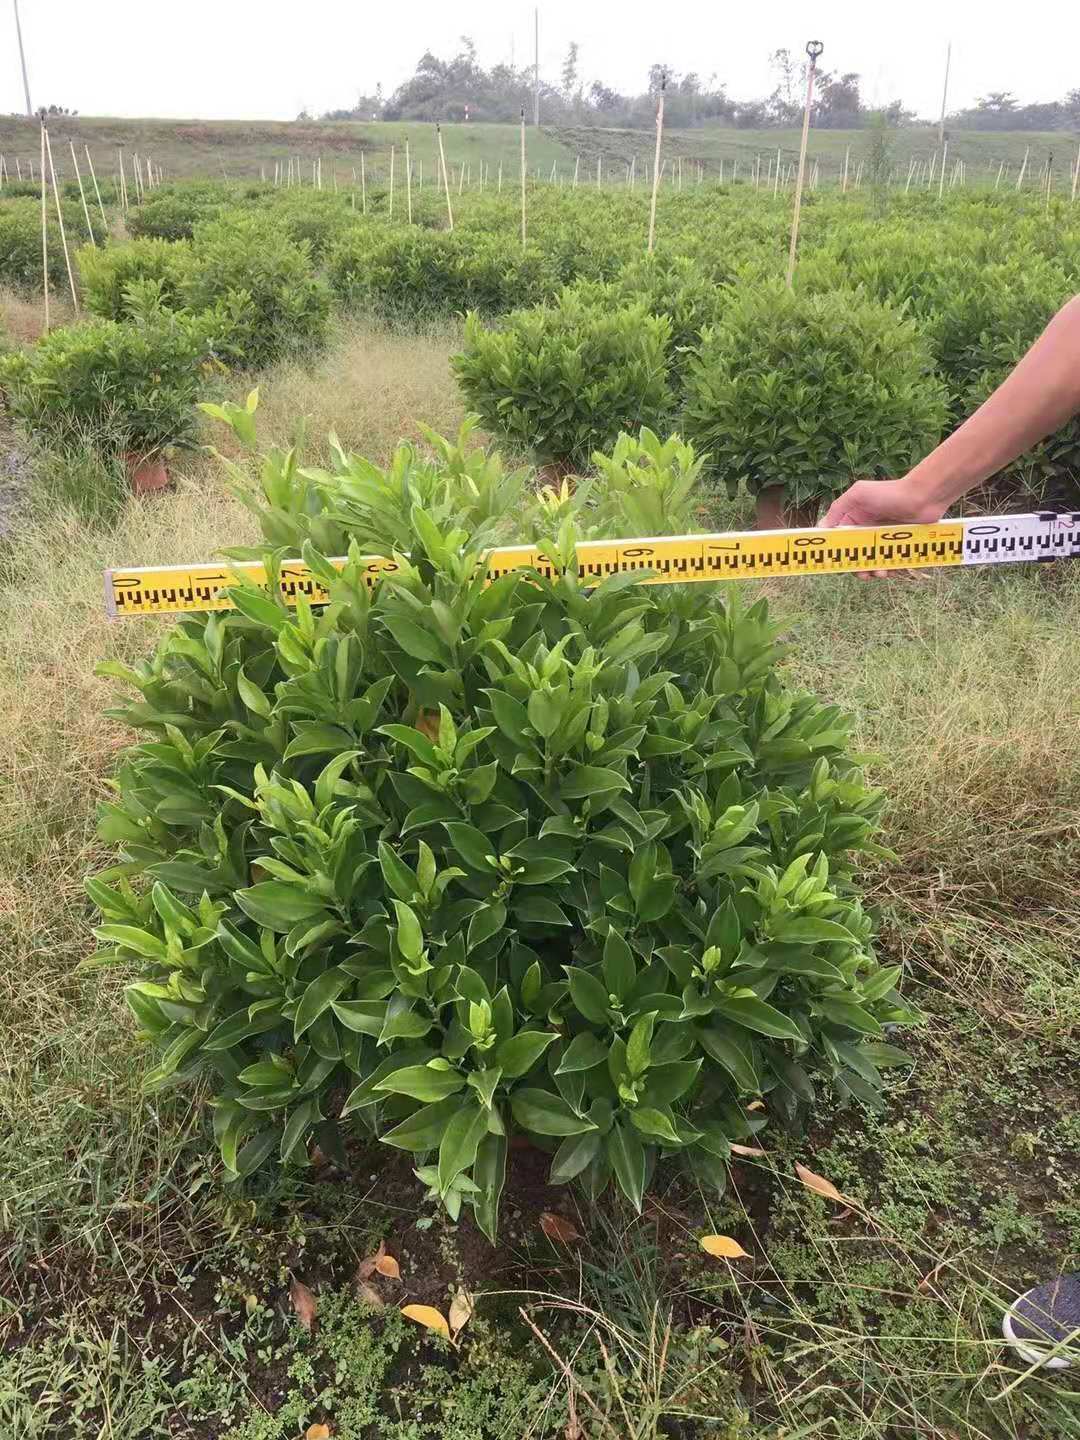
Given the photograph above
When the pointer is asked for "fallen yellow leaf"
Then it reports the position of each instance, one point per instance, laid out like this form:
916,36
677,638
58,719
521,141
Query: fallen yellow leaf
428,1316
388,1266
819,1185
723,1247
317,1432
751,1152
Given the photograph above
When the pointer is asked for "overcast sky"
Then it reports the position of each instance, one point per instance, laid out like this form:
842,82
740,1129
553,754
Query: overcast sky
237,59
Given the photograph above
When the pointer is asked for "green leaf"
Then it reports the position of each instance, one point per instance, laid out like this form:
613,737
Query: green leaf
588,781
399,877
278,905
759,1016
423,1082
573,1155
620,970
588,995
521,1052
627,1156
424,1129
318,996
419,643
735,1052
638,1052
409,936
852,1017
806,930
488,1174
654,1123
584,1052
459,1144
541,1113
472,846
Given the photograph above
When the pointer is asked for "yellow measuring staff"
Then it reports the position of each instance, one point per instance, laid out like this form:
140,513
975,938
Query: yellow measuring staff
660,560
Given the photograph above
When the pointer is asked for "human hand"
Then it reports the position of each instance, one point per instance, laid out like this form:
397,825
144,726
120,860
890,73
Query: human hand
881,502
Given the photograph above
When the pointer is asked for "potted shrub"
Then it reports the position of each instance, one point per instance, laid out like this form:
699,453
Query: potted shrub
796,396
454,863
130,387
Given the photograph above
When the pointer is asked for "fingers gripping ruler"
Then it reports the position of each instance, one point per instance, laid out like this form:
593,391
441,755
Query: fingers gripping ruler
660,560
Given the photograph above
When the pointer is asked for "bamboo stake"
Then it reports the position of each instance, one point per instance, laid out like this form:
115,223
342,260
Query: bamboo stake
446,178
44,229
523,177
656,163
82,195
60,222
97,192
941,177
1023,168
18,168
847,159
577,166
499,189
1049,179
813,50
391,214
363,183
123,181
408,183
1001,171
1076,174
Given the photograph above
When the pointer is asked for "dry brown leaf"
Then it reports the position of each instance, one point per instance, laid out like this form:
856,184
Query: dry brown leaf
461,1308
558,1228
367,1267
369,1295
751,1152
930,1280
317,1432
723,1247
819,1185
427,722
303,1302
388,1266
428,1316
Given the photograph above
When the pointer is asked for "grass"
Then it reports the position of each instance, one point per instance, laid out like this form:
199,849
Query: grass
139,1298
241,148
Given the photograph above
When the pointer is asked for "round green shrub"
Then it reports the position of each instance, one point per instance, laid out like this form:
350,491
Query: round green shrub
276,301
20,244
106,273
811,392
409,269
173,214
561,381
124,386
452,861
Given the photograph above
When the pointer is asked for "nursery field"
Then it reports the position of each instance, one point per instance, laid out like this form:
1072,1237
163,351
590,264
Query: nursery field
245,149
454,961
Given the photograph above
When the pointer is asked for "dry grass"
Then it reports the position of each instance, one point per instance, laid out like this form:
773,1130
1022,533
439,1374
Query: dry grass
23,316
372,387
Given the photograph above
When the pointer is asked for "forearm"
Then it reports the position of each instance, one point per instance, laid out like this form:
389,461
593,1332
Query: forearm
1040,395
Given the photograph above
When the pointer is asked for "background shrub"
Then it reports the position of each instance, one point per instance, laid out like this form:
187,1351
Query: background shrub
275,300
810,392
561,381
127,386
106,273
173,214
20,244
459,860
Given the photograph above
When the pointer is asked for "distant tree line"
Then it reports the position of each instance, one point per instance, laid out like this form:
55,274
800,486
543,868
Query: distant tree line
460,88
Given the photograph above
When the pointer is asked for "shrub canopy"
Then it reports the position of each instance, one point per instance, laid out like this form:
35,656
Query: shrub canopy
454,860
